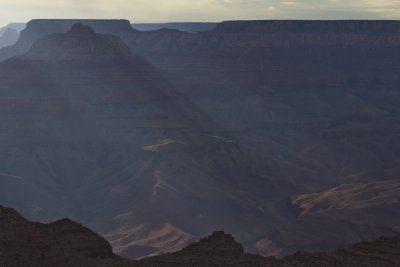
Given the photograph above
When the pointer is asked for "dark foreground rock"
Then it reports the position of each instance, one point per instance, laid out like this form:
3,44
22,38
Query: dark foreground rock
219,249
66,243
62,243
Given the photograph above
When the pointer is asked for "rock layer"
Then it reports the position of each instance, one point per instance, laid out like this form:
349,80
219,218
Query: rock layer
79,43
215,130
39,28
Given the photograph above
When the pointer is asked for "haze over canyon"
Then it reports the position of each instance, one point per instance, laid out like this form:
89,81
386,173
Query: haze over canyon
284,133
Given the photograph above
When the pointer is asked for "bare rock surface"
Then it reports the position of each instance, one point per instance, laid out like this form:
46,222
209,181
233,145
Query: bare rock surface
62,243
65,243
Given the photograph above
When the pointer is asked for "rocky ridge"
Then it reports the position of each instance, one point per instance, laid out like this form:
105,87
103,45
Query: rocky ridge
219,249
132,145
39,28
66,243
62,243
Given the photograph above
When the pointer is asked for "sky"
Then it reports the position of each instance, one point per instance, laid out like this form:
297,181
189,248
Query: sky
198,10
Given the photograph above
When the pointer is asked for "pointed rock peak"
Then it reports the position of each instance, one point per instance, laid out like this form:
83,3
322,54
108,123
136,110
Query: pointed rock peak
217,241
66,221
80,28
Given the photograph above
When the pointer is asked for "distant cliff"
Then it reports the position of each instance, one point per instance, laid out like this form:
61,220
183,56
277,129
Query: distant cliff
271,34
310,26
8,37
79,43
182,26
224,35
39,28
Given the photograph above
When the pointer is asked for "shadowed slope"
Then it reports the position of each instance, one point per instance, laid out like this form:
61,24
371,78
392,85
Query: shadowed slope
297,107
80,123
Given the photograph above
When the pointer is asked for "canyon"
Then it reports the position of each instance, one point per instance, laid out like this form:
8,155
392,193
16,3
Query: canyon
283,133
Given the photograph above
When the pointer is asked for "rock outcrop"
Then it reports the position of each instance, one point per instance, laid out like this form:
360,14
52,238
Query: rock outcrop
311,26
219,249
81,42
62,243
326,218
68,244
39,28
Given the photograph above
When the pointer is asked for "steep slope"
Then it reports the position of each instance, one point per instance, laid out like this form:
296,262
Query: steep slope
337,217
18,26
317,100
226,126
62,243
99,132
9,34
79,43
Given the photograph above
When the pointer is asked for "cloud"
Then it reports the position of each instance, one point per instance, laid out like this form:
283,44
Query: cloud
198,10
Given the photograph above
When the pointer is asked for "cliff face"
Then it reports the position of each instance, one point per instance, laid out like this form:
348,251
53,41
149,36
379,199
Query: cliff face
261,36
117,138
311,26
318,102
226,35
81,42
39,28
